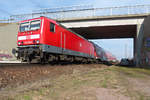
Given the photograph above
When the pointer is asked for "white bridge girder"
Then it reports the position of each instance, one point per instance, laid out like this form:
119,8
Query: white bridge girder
109,22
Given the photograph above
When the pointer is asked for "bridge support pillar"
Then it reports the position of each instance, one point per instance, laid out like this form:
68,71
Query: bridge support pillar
138,44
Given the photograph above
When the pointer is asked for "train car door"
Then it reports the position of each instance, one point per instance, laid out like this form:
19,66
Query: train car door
53,36
63,41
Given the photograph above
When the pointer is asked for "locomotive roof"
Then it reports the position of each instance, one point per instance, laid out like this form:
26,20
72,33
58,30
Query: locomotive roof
29,20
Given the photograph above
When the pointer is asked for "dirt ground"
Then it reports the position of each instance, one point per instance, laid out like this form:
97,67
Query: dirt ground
74,82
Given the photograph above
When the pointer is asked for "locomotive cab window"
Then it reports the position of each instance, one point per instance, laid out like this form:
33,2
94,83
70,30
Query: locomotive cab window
35,24
52,27
24,26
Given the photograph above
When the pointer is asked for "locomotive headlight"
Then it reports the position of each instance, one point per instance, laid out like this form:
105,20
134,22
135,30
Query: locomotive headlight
19,43
37,41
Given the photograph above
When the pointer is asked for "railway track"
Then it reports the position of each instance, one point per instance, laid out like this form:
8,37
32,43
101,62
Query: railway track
19,63
12,63
23,64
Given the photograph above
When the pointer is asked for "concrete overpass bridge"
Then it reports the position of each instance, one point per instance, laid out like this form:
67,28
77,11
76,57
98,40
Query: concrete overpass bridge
101,23
123,26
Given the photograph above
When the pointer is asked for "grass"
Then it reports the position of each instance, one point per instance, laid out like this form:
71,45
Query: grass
139,74
71,87
27,97
133,72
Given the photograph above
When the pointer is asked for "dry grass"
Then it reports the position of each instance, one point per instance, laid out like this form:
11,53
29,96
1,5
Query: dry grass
97,83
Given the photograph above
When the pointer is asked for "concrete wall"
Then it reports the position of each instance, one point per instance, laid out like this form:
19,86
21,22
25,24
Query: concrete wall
145,47
138,43
8,38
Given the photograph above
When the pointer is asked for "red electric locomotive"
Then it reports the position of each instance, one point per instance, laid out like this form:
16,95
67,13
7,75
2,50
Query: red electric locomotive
47,40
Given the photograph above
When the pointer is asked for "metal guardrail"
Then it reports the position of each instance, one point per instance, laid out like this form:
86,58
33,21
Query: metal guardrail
82,13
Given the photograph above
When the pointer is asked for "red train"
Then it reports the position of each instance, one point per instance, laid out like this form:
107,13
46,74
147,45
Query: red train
47,40
104,56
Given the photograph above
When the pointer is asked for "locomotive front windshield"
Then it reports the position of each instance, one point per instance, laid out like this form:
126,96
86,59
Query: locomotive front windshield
24,27
34,25
28,26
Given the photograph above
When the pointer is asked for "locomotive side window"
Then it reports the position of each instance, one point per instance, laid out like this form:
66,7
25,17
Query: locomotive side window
24,27
52,27
35,24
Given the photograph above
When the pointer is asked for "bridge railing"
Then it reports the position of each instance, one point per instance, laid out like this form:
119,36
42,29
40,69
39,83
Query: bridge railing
124,10
60,14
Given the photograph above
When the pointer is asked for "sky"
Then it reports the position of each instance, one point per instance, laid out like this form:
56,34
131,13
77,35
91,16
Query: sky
9,7
116,46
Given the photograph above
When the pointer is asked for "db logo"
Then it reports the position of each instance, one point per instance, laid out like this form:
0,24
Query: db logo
28,37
